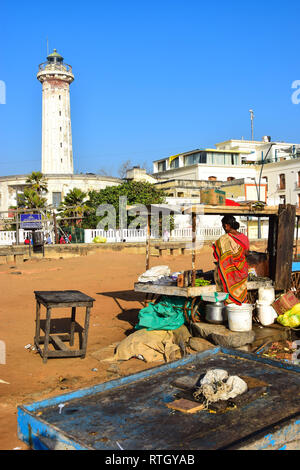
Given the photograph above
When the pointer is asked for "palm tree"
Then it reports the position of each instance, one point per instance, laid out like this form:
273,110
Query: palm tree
37,182
73,205
30,199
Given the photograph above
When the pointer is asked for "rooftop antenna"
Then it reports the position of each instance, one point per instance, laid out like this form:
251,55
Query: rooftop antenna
47,47
251,117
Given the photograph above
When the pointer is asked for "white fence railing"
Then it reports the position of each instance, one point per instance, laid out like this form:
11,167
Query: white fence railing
129,235
9,237
132,235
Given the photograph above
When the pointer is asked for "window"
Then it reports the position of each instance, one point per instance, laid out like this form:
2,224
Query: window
282,199
282,181
298,182
60,113
175,163
56,199
161,166
61,144
195,158
60,97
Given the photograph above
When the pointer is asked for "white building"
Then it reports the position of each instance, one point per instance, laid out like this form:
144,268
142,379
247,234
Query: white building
277,163
206,164
283,180
256,151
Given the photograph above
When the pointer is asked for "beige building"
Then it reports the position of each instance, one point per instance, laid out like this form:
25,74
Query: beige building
58,187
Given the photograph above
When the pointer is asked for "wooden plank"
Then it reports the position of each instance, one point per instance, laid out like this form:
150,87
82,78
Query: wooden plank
284,248
58,342
63,337
186,406
66,296
66,353
190,291
234,210
64,304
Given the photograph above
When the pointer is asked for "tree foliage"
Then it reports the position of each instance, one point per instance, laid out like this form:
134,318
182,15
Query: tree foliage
73,206
33,195
136,192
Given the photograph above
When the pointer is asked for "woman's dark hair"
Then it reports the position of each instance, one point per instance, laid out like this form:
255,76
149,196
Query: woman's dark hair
230,220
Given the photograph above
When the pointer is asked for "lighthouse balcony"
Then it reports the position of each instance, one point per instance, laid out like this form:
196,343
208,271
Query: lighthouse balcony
55,67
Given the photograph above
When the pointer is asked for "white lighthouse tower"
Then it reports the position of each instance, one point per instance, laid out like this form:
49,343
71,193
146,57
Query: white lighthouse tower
57,153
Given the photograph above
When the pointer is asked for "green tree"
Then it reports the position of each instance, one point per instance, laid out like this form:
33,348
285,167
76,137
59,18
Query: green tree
30,199
136,192
37,182
33,195
73,206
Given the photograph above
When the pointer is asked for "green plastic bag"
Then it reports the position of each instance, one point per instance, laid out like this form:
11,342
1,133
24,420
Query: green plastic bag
167,314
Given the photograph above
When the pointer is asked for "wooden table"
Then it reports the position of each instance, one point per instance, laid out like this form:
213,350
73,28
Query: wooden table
190,291
194,293
61,299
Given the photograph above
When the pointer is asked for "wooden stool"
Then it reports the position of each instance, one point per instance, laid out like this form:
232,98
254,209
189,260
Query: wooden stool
62,299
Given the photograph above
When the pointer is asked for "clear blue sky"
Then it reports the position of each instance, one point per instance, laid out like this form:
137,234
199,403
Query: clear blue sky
152,77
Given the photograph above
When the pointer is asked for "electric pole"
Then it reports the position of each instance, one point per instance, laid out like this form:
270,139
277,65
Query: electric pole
251,117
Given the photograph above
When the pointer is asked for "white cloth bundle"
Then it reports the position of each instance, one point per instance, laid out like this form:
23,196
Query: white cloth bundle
217,385
154,273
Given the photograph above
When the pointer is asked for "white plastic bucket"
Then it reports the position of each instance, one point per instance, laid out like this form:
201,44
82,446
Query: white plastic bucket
265,313
266,294
239,317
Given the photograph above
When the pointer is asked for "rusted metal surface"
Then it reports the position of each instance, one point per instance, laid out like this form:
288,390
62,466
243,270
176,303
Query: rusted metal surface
132,410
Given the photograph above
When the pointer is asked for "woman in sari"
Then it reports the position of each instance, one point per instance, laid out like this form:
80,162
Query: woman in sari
230,252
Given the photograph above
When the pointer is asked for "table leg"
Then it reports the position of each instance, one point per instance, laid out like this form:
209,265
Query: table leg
37,324
86,330
47,335
72,329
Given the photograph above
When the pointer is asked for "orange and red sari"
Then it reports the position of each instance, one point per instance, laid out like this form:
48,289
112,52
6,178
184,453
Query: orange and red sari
232,268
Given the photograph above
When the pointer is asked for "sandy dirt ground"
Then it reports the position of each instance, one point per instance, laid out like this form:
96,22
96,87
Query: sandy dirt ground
108,277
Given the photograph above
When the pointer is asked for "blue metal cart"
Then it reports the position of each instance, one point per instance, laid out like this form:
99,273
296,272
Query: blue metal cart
131,413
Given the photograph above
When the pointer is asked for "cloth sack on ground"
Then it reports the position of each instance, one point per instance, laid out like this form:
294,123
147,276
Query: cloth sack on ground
167,314
217,385
154,273
152,346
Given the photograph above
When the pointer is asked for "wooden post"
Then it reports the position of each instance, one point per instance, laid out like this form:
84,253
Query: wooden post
272,244
17,228
72,329
297,230
47,335
85,332
284,248
37,324
148,240
55,228
194,229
